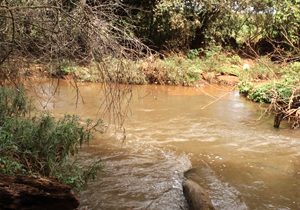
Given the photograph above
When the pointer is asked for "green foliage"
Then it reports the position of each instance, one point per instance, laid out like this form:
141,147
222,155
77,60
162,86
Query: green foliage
261,69
14,103
287,17
194,76
36,144
291,71
68,69
217,60
261,93
245,86
264,93
177,24
295,67
193,53
214,58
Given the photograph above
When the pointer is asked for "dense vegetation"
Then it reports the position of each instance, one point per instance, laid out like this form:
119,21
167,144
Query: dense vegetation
178,24
34,143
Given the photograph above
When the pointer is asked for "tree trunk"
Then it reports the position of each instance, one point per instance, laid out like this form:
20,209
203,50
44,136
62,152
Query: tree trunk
28,193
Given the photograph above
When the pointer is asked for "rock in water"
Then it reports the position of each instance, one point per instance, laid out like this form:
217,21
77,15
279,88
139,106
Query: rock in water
196,196
28,193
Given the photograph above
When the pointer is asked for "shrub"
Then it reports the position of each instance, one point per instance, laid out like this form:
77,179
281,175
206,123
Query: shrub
291,71
295,67
192,54
174,70
264,93
245,86
34,143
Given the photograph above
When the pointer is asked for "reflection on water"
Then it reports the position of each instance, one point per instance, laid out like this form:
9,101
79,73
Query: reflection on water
244,163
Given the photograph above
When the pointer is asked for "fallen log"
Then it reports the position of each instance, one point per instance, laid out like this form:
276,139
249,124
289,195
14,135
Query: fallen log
195,195
28,193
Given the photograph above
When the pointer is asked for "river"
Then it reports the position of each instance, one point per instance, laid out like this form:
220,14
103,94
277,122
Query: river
243,162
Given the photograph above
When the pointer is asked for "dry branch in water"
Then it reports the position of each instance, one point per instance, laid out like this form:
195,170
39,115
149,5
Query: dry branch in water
48,36
287,109
219,98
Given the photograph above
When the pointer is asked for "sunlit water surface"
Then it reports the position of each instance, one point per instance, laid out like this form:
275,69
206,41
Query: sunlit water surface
243,162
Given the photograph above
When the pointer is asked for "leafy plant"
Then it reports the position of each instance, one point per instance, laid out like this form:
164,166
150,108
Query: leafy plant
194,76
295,67
192,54
34,143
245,86
264,93
261,94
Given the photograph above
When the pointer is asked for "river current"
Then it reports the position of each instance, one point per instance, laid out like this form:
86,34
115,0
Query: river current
243,162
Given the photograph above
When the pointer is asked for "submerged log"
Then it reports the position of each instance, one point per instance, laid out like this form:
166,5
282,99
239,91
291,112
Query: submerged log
28,193
196,196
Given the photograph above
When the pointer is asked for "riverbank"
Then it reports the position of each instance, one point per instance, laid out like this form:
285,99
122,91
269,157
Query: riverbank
218,68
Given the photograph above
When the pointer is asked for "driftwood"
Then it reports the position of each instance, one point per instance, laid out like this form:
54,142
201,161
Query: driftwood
196,196
28,193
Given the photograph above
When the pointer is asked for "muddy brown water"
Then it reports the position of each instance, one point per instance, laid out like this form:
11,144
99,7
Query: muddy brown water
244,163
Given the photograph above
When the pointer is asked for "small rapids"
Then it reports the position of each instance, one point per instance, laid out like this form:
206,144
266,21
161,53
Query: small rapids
136,177
243,162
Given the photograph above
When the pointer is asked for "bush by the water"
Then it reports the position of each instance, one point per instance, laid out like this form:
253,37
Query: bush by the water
265,93
34,143
281,89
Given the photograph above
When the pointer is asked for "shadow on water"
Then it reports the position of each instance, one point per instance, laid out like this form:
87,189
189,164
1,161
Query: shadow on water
244,163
